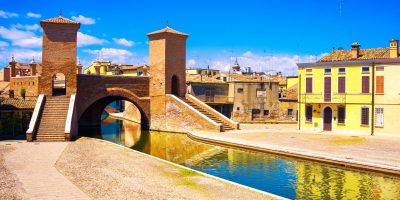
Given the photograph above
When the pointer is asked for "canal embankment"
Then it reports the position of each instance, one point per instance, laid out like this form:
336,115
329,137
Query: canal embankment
371,153
105,170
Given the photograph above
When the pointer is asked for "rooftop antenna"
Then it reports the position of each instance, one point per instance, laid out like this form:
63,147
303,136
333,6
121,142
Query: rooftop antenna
167,23
341,29
60,12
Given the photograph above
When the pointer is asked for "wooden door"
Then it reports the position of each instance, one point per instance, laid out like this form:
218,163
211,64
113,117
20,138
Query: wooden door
327,119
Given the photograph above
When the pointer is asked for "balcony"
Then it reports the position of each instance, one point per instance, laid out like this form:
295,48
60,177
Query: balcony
215,99
320,98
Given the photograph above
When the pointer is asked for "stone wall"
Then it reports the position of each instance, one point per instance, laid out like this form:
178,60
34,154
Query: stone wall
131,112
29,83
180,118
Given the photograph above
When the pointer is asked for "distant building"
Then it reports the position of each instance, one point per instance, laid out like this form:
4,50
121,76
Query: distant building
107,68
355,90
202,71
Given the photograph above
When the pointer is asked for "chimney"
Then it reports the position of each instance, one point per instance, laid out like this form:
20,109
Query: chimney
355,50
394,48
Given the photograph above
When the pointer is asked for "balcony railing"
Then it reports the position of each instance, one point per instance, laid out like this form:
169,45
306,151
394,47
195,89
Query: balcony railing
215,99
320,98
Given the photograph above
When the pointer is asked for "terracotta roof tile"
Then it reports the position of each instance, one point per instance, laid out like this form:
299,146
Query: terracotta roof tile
17,104
365,54
59,20
202,79
167,30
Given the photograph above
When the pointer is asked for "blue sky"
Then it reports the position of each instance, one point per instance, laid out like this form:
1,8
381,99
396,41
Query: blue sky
265,35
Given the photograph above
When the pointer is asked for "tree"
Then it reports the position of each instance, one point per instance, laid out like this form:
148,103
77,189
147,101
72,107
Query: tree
22,93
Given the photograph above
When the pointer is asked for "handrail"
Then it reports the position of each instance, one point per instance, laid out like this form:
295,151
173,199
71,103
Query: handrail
194,110
71,110
35,118
214,112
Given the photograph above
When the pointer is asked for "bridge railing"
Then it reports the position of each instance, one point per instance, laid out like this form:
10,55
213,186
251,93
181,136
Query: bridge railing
70,122
30,133
206,107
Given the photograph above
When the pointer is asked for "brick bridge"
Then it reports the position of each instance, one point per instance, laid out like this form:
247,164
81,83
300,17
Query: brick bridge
95,92
160,96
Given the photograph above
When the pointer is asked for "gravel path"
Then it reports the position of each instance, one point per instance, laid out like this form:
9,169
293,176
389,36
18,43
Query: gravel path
10,187
106,171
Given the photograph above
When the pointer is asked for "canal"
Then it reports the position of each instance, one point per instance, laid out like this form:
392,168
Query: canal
287,177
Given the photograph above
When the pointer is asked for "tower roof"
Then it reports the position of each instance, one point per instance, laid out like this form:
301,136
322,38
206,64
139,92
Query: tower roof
59,20
167,30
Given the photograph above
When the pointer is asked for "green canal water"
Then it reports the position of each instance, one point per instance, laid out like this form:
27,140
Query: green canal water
287,177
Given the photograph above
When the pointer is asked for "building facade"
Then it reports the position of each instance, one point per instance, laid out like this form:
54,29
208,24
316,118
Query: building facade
352,91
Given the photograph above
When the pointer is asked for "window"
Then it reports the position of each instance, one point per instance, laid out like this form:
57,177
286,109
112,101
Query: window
341,113
328,70
238,108
266,112
308,71
380,69
379,117
365,116
342,70
289,112
309,85
365,85
342,85
365,69
308,113
380,84
240,90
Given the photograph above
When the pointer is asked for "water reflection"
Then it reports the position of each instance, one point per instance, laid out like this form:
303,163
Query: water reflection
285,177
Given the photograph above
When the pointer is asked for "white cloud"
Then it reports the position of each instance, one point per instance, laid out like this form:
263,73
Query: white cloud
84,20
284,63
84,40
191,63
20,38
20,55
32,27
124,42
33,15
3,44
4,14
114,55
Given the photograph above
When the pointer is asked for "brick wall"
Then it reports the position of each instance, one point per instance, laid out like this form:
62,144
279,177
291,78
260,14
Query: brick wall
29,83
59,55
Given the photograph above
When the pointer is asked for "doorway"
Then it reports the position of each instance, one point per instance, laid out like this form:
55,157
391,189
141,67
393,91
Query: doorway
175,86
58,84
327,119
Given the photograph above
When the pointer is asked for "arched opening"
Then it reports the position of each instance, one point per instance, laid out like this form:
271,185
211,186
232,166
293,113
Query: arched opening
327,119
59,84
113,118
175,86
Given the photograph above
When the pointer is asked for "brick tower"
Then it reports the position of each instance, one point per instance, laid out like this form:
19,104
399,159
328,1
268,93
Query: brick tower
167,70
58,54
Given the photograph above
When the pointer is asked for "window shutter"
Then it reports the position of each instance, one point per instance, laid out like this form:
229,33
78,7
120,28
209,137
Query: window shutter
380,84
308,85
365,84
342,85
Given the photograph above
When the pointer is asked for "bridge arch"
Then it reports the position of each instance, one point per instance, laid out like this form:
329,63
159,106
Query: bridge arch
90,110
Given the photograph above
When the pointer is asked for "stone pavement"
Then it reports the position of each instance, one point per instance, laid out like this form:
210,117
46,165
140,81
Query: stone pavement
34,166
376,150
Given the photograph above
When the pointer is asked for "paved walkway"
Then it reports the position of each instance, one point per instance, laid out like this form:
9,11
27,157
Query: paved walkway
375,150
34,166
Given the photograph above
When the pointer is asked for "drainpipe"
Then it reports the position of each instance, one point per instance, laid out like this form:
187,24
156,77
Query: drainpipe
373,100
299,102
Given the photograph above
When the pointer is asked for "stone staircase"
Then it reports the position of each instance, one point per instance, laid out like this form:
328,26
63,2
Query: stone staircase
52,120
225,126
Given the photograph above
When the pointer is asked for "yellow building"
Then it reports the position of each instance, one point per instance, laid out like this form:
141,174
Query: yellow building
107,68
354,91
